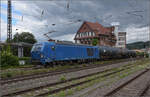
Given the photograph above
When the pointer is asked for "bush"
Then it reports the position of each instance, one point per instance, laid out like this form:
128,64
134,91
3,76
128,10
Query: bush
95,42
8,75
7,58
146,55
25,58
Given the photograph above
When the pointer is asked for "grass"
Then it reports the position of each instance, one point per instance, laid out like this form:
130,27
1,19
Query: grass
63,78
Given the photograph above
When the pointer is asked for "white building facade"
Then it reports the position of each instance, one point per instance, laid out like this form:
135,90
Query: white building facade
121,40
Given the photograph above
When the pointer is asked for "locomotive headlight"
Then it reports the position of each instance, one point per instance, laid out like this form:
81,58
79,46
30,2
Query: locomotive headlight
42,56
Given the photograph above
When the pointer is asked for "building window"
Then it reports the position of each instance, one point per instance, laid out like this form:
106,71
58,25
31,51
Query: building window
89,33
93,34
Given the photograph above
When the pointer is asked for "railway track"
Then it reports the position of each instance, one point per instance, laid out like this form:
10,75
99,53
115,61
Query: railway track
40,75
119,88
145,90
110,72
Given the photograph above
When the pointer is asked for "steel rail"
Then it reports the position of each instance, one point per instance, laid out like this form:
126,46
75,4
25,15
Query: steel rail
144,90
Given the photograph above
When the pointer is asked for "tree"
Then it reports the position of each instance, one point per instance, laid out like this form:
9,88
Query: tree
7,58
94,41
24,37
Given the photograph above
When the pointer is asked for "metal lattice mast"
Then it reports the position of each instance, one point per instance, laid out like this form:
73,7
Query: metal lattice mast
9,22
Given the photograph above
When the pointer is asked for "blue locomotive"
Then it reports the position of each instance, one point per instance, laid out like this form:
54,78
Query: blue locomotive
52,53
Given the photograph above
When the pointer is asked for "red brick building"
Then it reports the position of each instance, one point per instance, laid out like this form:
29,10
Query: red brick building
89,31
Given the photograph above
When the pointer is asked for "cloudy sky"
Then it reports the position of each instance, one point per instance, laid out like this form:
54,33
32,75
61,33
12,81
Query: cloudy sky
66,16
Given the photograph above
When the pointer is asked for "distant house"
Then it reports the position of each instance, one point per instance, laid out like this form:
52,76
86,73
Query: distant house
89,31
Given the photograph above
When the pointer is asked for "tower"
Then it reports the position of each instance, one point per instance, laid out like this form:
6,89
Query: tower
9,22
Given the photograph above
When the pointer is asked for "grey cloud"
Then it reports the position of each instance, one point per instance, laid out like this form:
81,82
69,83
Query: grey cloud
103,11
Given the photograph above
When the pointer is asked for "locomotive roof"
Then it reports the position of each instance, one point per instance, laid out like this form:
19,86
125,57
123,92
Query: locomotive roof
73,44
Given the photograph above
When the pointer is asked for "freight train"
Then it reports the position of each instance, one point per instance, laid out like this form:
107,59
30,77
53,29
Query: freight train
51,53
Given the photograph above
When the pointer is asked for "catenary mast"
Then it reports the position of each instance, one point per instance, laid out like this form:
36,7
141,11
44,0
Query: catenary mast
9,22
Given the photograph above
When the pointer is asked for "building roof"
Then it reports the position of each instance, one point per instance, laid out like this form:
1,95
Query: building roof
99,28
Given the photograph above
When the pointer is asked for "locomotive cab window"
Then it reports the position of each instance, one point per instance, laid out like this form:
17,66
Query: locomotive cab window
37,47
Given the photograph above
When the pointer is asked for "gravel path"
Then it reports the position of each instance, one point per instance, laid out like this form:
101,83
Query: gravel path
27,84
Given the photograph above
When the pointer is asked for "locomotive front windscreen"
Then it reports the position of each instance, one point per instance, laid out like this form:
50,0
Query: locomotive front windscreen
37,47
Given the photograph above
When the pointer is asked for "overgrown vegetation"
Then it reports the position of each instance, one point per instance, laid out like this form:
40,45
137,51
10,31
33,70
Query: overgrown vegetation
27,60
63,78
7,58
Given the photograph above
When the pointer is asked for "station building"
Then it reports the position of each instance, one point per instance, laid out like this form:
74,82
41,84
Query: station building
89,31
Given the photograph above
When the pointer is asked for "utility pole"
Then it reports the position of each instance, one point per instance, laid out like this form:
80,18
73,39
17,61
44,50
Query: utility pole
9,22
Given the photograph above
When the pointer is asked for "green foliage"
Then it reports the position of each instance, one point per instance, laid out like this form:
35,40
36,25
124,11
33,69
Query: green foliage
146,55
62,78
94,41
24,58
8,75
25,37
7,58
